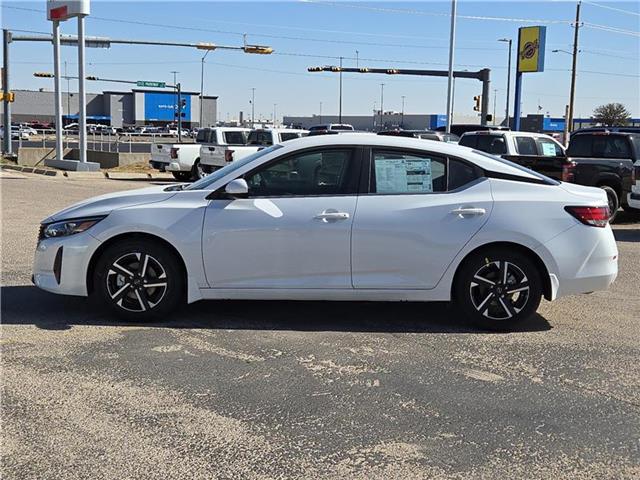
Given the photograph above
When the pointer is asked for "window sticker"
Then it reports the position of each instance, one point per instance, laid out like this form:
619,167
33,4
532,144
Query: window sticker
403,175
548,149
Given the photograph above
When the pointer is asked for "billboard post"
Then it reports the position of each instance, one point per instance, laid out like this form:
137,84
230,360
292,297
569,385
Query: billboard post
531,47
59,11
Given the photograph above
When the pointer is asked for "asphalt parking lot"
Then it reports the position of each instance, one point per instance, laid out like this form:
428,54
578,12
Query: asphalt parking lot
308,389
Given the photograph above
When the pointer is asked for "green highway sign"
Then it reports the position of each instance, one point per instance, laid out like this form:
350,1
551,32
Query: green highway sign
142,83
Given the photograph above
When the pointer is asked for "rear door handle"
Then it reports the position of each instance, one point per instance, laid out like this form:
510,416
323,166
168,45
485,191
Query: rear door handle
468,211
329,215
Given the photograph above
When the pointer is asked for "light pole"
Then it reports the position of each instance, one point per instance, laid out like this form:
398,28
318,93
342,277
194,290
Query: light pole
275,122
340,100
176,99
495,97
452,46
506,112
357,58
381,106
253,107
569,113
201,85
402,114
320,112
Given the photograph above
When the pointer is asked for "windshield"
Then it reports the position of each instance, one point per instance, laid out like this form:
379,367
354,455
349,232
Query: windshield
203,183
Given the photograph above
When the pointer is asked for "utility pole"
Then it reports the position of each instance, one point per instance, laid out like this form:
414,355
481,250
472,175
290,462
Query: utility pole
340,100
179,91
402,114
495,97
68,89
452,44
506,111
253,107
6,38
82,100
57,88
573,68
382,106
176,99
357,58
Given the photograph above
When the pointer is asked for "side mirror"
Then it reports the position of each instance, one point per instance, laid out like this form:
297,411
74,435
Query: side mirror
237,188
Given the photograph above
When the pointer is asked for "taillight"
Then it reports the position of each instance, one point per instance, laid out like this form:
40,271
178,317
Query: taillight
174,153
594,216
569,172
228,156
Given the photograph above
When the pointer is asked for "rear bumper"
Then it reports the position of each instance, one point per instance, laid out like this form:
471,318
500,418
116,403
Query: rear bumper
162,166
584,259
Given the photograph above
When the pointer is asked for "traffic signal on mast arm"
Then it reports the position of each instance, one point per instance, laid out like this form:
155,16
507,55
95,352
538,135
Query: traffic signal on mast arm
477,99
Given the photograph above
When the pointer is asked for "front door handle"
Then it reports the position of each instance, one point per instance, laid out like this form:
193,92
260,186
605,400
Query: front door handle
331,215
468,211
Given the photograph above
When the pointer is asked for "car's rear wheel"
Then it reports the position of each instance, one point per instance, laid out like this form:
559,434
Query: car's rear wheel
197,172
182,176
139,279
497,289
612,200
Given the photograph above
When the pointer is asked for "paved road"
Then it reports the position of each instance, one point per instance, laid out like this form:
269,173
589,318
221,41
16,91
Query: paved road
310,390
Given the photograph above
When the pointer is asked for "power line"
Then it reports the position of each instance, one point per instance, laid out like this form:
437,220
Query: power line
620,10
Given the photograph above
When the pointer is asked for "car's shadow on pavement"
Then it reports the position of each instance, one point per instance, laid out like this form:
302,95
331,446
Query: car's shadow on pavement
27,305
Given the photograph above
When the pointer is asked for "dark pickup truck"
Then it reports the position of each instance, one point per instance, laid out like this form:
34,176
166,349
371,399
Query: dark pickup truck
601,158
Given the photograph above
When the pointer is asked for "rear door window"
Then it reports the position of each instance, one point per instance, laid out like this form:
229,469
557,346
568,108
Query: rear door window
493,144
203,135
526,146
394,172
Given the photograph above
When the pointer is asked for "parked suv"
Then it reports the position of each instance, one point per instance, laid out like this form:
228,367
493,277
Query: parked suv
423,134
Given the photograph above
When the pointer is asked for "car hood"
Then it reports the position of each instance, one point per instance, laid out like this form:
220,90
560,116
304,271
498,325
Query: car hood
105,204
589,194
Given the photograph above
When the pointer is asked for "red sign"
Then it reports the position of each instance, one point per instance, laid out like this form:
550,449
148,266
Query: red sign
58,13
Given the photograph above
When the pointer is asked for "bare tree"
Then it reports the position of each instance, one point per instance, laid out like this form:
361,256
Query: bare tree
612,114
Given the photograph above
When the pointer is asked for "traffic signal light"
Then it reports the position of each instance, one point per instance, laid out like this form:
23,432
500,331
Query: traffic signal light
392,71
9,96
184,102
43,74
258,49
315,69
477,99
91,77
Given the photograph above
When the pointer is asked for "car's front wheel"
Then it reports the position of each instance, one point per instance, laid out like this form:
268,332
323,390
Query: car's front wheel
139,279
496,288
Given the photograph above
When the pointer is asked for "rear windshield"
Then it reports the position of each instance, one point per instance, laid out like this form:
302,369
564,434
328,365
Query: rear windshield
494,144
599,146
203,135
284,136
235,138
341,127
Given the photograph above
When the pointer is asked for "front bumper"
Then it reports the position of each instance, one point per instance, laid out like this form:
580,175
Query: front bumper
69,277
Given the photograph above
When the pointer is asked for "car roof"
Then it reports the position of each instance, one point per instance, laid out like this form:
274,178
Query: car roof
481,159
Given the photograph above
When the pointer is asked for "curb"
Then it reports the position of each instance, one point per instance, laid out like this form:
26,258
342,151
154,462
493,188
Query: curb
83,175
127,176
40,171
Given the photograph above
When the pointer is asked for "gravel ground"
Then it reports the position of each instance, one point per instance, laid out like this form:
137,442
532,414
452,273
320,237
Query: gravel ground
263,390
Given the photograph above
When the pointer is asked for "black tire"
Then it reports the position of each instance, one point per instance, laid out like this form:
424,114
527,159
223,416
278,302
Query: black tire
123,264
490,303
197,172
182,176
613,201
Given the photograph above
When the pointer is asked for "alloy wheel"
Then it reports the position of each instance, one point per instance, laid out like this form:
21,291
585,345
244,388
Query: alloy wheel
499,290
136,282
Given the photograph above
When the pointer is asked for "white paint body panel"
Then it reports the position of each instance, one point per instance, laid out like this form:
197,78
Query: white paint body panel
385,248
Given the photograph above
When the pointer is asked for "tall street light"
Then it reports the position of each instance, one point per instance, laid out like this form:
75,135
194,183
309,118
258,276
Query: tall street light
320,112
176,109
202,85
340,100
382,106
402,113
253,107
506,112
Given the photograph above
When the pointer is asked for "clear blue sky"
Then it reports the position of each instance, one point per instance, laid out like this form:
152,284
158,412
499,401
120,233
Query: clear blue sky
414,36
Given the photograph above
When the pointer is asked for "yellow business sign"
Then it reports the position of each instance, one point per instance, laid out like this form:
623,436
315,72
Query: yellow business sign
531,43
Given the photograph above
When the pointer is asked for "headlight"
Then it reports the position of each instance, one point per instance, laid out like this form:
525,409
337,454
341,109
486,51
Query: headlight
68,227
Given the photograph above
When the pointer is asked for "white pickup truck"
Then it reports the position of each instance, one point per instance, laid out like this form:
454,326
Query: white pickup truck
224,143
183,159
213,157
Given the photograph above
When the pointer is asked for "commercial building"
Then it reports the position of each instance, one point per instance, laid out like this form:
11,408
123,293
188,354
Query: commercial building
116,108
375,122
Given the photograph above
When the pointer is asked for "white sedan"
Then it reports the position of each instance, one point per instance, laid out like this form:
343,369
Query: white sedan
338,217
